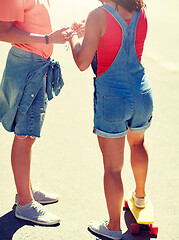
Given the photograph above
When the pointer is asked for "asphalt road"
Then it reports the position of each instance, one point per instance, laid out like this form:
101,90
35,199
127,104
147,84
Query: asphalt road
67,160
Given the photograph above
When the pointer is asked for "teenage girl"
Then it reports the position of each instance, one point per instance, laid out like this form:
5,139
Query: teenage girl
115,34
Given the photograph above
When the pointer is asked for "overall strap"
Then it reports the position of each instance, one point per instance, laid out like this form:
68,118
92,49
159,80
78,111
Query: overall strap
129,31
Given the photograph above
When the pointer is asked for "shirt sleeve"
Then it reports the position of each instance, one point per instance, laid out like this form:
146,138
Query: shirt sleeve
12,10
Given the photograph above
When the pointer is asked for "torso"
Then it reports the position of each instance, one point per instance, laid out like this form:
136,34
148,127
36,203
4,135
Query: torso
111,39
36,20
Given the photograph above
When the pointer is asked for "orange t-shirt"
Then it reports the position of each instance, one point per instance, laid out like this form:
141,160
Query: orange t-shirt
30,16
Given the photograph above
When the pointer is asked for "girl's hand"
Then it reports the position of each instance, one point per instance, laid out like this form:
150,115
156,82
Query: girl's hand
79,28
76,29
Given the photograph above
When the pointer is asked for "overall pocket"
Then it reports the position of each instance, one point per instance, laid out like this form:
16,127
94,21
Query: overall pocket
148,102
113,108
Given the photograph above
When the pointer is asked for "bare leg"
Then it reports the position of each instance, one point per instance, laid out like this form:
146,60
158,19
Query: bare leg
113,155
21,160
139,160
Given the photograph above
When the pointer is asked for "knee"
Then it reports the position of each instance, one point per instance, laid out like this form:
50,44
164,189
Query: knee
113,173
133,143
135,139
113,168
137,145
25,141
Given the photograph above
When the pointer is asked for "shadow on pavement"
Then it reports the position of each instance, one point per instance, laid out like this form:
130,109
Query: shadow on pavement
9,225
127,235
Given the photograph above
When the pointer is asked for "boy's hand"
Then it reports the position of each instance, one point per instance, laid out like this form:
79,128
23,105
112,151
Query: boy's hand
57,36
68,34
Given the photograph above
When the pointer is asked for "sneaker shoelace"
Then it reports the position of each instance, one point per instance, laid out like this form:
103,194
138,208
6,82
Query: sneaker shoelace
39,209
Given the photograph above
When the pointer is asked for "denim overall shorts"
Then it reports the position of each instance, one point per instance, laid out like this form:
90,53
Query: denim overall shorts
123,97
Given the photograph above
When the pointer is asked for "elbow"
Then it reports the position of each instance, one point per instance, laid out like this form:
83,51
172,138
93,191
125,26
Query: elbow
82,66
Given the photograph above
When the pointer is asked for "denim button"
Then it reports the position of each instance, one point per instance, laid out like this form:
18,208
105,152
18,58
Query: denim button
32,95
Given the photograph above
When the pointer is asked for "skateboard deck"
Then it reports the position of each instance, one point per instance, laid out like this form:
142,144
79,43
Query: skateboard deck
141,215
144,216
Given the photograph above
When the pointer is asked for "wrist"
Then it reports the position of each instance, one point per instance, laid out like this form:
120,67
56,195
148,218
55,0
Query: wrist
47,39
73,37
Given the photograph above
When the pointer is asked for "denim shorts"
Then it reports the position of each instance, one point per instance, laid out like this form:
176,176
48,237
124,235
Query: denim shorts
30,123
115,115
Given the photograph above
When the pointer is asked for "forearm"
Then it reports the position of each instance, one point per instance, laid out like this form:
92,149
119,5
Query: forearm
75,47
80,59
18,36
83,54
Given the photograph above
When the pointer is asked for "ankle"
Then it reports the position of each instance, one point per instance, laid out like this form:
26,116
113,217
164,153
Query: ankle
24,200
113,227
140,194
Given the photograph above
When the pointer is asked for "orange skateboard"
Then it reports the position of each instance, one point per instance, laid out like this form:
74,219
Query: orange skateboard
144,216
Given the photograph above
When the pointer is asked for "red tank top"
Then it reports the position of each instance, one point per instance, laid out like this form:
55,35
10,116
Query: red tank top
110,42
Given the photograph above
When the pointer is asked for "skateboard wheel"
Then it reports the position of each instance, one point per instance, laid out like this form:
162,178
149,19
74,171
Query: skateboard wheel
126,204
135,228
153,230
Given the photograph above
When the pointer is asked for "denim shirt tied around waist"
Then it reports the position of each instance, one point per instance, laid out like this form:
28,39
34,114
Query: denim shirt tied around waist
22,79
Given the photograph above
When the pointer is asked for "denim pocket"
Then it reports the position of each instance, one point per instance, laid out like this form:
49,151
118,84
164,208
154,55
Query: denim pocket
113,108
148,102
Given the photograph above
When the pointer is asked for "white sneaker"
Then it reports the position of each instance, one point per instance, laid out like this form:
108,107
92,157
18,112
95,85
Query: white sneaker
139,202
35,212
101,229
42,197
